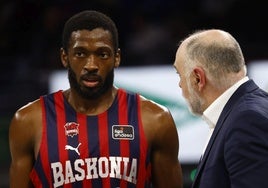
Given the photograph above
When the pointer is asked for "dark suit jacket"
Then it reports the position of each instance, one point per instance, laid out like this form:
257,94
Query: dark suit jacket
237,153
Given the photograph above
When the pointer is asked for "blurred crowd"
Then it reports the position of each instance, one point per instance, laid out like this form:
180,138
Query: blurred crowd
149,31
30,30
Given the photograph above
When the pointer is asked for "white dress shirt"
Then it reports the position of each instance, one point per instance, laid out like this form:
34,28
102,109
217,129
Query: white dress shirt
212,113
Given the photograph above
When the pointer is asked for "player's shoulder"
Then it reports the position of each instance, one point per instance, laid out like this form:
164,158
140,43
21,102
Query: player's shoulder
28,112
153,109
31,106
156,119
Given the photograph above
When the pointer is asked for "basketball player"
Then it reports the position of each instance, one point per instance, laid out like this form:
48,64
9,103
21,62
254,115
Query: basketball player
93,134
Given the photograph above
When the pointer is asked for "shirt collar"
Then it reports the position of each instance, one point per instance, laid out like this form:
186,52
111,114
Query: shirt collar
212,113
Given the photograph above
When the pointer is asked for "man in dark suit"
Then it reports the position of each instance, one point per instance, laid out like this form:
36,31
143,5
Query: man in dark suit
214,82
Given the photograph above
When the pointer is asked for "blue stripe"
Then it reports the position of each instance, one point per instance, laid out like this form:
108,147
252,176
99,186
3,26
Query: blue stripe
52,133
71,116
134,121
93,143
51,136
41,174
114,145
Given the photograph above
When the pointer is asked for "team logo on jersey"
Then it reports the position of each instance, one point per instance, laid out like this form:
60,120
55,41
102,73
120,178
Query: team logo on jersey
71,129
123,132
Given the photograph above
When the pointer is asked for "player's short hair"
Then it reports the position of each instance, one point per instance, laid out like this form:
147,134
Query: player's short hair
89,20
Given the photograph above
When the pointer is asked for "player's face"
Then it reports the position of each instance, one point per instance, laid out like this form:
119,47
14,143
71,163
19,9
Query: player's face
94,91
91,61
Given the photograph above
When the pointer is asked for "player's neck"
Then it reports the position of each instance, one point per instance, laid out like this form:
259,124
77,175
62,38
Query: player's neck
91,106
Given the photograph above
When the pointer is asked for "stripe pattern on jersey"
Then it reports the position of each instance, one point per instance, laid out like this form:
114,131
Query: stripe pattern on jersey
107,150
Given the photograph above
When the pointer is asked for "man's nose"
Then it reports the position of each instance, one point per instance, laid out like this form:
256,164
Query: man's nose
91,63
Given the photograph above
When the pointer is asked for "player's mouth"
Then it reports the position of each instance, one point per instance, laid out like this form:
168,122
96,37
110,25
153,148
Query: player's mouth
91,81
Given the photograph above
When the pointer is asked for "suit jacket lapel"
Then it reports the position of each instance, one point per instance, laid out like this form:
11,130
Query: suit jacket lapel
208,148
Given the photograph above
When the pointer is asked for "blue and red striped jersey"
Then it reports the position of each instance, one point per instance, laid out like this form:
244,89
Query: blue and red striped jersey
106,150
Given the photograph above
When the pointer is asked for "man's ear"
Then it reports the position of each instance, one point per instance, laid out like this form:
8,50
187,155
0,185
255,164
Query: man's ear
199,77
64,58
117,58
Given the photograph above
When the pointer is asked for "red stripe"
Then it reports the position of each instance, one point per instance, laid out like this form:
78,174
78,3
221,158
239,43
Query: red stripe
83,138
123,120
44,150
61,121
104,142
142,172
35,179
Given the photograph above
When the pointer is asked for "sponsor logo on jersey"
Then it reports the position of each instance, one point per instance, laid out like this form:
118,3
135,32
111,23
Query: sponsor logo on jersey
76,149
123,132
71,129
93,168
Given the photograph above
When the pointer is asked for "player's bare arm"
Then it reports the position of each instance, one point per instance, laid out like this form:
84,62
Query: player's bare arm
162,136
23,136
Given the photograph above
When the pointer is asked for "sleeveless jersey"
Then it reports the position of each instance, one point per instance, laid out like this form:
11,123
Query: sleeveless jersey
108,150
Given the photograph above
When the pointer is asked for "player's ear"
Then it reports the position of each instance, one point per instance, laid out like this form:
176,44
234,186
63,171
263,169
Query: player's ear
199,77
64,57
117,58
